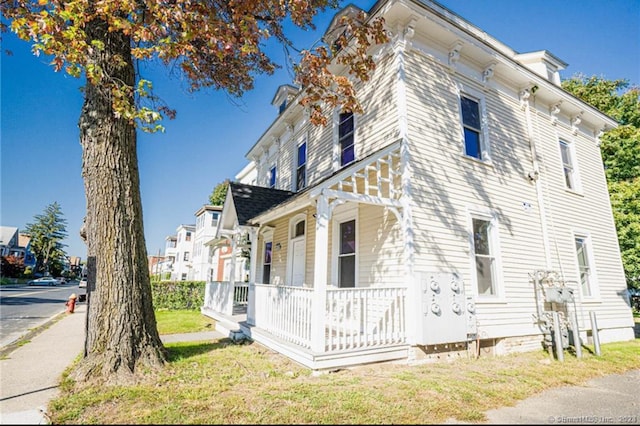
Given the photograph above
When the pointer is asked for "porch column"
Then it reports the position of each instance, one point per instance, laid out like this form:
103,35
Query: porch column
232,273
253,262
319,304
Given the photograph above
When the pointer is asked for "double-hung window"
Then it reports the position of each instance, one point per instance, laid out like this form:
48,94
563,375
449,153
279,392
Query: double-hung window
347,254
346,139
484,254
566,152
584,265
272,177
266,264
471,123
301,169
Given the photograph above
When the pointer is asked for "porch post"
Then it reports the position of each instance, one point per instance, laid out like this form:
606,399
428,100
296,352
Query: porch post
319,303
253,262
232,273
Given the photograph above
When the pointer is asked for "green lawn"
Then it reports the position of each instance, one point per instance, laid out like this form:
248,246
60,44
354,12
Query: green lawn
221,382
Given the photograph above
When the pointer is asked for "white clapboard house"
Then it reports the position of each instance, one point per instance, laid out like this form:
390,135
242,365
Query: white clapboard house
461,214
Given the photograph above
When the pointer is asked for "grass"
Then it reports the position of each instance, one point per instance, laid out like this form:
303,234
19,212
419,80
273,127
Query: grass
225,383
182,321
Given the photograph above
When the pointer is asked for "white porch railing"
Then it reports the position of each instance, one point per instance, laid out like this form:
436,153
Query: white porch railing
217,296
284,312
365,318
355,318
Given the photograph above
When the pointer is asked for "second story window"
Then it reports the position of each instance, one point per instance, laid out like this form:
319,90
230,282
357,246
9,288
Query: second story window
346,138
272,177
186,256
473,146
301,169
568,166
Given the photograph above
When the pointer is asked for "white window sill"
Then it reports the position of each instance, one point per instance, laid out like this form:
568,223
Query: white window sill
574,192
485,300
486,162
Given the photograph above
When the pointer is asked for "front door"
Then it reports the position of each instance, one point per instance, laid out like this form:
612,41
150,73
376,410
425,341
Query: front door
297,261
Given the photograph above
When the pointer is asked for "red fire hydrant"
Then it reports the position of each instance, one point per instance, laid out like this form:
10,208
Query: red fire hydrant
71,304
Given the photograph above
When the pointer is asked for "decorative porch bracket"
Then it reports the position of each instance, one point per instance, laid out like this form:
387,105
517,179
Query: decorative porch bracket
376,179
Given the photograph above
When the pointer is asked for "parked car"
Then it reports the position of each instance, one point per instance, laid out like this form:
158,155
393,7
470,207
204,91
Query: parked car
83,283
61,280
50,281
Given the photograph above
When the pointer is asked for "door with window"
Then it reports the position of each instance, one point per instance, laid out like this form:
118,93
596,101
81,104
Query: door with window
298,253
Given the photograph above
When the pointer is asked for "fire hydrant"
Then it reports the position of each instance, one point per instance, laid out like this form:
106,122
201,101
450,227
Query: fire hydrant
71,304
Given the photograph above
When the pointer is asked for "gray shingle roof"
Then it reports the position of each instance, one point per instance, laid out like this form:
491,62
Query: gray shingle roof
250,200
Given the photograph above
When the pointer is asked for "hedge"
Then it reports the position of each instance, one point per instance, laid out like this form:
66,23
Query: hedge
178,294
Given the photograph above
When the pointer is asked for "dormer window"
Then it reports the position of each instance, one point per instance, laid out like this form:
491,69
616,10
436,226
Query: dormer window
282,107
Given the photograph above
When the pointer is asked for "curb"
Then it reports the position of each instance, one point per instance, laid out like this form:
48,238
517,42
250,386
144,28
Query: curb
20,341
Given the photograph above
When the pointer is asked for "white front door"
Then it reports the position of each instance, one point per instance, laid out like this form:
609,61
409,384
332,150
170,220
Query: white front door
297,262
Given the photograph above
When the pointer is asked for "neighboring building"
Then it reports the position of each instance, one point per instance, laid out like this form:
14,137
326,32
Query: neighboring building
464,210
24,244
13,243
207,218
183,266
9,241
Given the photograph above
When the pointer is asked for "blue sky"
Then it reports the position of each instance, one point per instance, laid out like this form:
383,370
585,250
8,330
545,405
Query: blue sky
40,154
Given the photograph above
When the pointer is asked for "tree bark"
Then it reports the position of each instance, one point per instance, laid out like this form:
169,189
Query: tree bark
122,336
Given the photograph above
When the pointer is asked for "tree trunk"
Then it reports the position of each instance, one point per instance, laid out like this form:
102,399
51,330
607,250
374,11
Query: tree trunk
122,336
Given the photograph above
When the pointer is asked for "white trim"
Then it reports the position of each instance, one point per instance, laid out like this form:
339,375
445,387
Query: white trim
343,213
474,212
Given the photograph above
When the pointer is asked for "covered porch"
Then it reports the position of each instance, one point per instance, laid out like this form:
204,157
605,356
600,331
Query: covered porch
329,267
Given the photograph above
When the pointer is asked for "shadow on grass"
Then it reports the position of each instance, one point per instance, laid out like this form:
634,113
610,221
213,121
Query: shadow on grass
181,350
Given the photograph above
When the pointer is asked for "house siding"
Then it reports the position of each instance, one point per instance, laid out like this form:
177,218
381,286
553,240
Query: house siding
445,185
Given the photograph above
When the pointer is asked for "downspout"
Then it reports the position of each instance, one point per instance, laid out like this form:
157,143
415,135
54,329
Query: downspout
534,176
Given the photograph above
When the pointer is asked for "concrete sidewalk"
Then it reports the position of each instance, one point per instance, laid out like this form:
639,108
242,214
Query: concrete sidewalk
31,373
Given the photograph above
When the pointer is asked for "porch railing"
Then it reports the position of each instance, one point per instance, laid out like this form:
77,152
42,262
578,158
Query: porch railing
217,296
355,318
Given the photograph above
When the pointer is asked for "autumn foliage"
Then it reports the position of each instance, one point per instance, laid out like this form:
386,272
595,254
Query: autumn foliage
214,44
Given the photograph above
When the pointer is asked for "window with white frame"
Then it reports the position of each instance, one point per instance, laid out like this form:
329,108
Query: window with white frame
188,236
186,256
272,177
301,168
484,255
585,267
472,127
346,138
568,165
347,254
266,264
214,219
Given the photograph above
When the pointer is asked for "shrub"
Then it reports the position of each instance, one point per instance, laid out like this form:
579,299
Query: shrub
178,294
